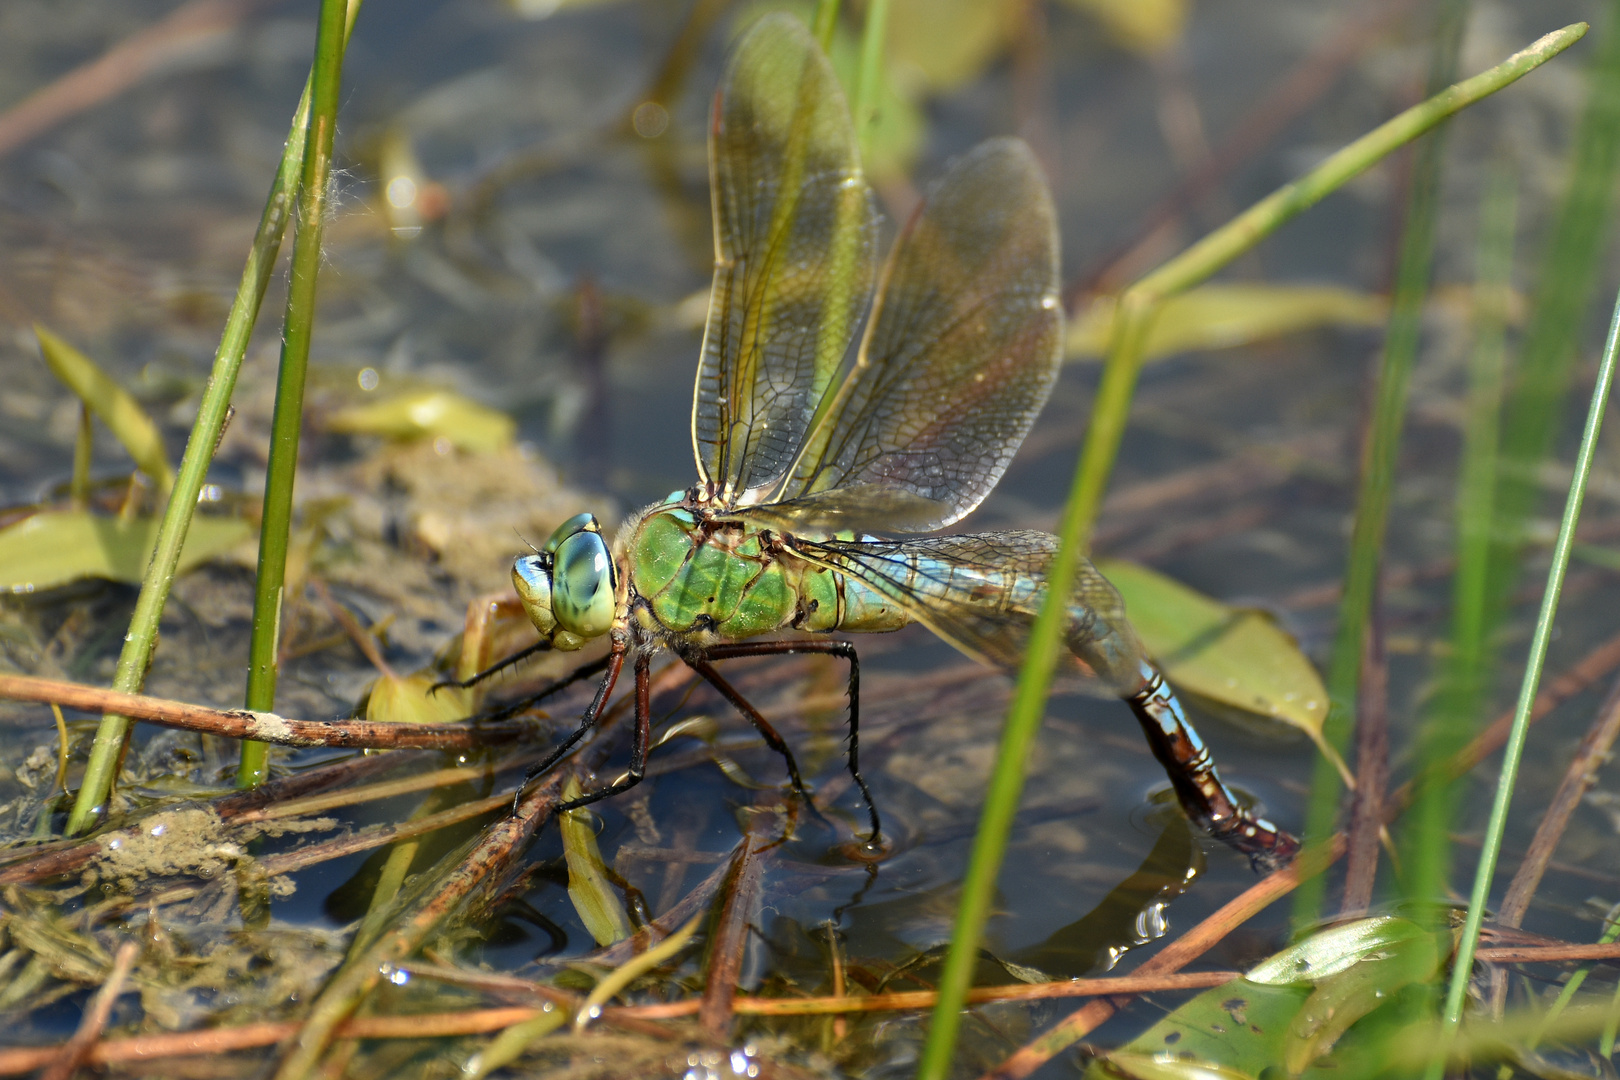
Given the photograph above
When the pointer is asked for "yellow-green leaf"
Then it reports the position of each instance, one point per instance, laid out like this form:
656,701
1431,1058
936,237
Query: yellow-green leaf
594,896
1144,26
1223,316
111,403
405,700
1234,657
55,547
434,414
938,45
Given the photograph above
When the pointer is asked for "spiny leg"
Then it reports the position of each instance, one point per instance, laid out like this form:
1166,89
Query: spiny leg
1203,796
843,650
613,663
494,669
579,674
638,745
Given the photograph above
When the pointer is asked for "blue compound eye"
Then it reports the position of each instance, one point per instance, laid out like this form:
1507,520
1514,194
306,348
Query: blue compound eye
582,585
531,576
577,523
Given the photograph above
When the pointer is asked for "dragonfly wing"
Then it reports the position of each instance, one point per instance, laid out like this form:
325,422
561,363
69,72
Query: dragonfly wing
961,351
794,227
981,593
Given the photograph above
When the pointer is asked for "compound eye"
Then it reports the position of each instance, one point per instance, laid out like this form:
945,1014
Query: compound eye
582,584
531,576
577,523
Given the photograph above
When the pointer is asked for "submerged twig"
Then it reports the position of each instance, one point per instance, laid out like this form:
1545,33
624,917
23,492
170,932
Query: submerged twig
77,1049
740,902
1592,754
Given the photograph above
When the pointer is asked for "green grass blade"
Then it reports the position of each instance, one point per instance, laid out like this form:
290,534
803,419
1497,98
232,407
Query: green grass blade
1134,318
136,657
116,407
1494,828
1450,718
825,23
287,421
1378,453
866,85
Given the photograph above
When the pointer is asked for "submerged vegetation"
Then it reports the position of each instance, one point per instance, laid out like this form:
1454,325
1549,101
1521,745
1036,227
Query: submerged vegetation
246,827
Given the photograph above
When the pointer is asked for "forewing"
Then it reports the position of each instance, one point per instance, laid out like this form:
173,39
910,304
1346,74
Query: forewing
794,226
981,593
960,353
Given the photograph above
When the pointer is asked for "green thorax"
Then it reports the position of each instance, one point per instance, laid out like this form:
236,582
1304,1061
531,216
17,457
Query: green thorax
731,579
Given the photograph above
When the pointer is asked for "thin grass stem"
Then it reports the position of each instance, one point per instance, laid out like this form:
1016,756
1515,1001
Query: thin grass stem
1495,827
287,421
825,23
141,640
871,71
1135,313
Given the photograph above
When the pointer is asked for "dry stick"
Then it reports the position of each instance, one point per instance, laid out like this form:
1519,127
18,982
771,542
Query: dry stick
264,726
1184,950
1543,954
1592,754
500,844
730,935
1372,768
380,835
187,31
480,1021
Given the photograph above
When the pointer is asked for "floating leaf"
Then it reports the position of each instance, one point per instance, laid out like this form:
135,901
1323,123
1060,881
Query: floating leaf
1224,316
1145,26
435,414
1231,1031
110,402
594,896
406,700
1328,952
1233,657
55,547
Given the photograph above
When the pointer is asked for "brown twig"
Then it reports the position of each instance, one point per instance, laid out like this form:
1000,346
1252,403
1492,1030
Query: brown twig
263,726
1185,949
76,1050
500,844
187,31
1542,954
380,835
1372,771
481,1021
1578,778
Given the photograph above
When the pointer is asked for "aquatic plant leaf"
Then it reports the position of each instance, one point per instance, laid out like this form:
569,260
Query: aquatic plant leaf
1332,951
1144,26
55,547
112,405
422,414
1225,316
405,700
510,1044
1235,1030
594,897
1237,658
1411,955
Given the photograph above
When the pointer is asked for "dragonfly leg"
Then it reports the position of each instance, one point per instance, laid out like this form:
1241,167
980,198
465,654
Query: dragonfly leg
772,737
1203,796
844,650
494,669
579,674
613,663
638,745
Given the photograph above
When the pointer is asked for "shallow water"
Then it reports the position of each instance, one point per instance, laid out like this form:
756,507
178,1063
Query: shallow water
551,291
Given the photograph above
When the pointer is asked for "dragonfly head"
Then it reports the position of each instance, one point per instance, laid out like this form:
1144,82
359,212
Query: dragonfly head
569,588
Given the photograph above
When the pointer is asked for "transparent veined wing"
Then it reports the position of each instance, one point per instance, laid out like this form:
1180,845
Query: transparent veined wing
794,230
960,353
981,592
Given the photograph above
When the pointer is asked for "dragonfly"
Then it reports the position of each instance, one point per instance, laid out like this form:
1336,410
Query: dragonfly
824,473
